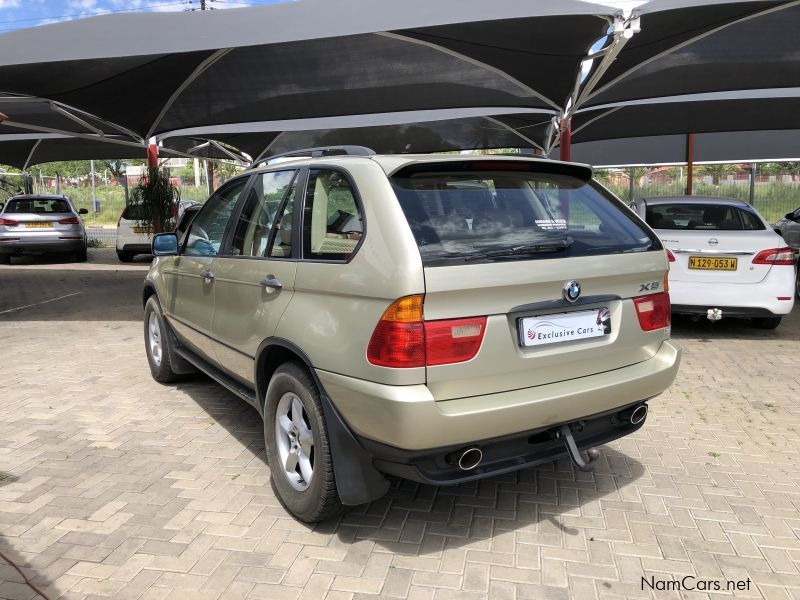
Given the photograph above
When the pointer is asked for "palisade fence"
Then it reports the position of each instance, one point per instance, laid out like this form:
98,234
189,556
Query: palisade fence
775,191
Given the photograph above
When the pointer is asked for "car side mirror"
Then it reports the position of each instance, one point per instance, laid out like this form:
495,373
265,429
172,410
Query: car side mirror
165,244
83,211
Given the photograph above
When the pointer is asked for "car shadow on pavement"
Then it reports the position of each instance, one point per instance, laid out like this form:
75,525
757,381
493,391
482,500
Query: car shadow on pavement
684,327
416,519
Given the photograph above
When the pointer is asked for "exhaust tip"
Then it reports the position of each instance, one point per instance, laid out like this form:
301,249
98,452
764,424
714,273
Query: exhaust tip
470,459
639,414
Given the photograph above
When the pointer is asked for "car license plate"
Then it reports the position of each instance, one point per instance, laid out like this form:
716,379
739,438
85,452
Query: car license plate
712,264
142,230
564,327
39,225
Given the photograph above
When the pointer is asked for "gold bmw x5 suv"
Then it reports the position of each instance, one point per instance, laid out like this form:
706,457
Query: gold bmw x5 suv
438,318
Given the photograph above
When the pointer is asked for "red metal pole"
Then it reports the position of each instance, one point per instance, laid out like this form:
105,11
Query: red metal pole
152,156
689,163
566,141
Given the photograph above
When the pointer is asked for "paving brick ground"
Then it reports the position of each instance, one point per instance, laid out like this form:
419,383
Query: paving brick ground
112,485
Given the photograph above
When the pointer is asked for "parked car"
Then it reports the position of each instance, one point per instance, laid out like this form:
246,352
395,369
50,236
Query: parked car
439,318
725,258
186,219
39,224
789,228
133,238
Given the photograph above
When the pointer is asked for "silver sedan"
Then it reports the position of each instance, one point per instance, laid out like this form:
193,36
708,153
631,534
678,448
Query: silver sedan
39,224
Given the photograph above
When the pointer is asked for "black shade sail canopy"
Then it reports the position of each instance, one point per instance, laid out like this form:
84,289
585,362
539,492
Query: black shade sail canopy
156,72
22,150
699,113
727,147
386,133
730,46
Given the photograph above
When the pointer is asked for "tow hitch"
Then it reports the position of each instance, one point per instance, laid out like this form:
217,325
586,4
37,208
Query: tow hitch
565,433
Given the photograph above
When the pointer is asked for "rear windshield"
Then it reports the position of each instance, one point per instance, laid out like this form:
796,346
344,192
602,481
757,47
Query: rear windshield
709,217
38,206
133,212
464,217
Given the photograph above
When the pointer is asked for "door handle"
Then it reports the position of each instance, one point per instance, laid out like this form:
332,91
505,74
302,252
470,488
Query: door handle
272,282
207,276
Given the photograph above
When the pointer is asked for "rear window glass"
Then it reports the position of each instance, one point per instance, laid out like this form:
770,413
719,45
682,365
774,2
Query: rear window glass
510,215
709,217
133,212
38,206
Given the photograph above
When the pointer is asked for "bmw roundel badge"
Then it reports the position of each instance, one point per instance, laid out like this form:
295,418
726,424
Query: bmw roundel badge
572,291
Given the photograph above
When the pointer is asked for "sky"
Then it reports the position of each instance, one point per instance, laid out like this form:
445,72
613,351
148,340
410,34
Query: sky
16,14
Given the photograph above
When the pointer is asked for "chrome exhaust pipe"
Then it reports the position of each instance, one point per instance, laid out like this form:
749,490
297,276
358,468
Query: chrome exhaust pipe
470,458
639,414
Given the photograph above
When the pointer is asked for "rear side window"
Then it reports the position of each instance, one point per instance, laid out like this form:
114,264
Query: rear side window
332,220
708,217
513,213
38,206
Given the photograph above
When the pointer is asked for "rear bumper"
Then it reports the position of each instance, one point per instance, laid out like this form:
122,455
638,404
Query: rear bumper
501,455
40,246
135,248
408,418
737,299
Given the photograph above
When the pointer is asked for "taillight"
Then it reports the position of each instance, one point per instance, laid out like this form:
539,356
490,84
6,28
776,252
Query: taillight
8,222
453,340
69,221
403,340
399,338
670,255
775,256
653,311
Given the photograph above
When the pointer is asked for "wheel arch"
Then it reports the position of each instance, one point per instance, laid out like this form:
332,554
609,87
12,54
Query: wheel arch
148,290
357,479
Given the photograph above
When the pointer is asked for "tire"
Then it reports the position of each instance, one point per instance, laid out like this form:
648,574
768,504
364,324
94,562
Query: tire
767,322
156,343
317,499
125,257
5,259
82,255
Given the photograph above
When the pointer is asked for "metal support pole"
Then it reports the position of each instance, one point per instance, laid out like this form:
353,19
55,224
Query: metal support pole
631,185
94,198
753,171
152,156
196,172
689,163
564,146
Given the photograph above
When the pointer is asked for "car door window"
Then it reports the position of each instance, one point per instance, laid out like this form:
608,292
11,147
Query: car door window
208,227
260,212
332,219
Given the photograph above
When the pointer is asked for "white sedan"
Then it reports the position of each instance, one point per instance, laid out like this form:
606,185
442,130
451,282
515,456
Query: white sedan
725,258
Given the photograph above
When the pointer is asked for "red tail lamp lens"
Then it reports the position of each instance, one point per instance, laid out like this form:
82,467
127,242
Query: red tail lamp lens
69,221
403,340
775,256
670,255
454,340
8,222
653,311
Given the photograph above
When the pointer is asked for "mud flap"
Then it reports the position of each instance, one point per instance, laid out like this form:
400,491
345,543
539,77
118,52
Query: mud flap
357,480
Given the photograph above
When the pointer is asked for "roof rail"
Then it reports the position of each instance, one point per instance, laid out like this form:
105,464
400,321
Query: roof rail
317,152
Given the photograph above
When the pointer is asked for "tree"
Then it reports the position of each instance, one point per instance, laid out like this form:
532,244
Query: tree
717,172
157,197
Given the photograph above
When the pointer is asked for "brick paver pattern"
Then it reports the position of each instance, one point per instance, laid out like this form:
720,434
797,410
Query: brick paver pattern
112,485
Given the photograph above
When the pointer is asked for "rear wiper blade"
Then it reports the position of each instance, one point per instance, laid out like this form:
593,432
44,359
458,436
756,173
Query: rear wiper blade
544,248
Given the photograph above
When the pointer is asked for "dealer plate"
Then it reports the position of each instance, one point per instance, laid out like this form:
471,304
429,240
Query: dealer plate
564,327
707,263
